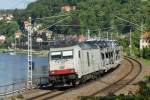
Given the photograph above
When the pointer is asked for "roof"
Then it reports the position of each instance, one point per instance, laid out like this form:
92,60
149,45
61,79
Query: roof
146,35
95,44
87,45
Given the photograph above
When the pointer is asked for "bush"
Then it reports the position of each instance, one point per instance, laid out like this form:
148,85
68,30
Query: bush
20,96
146,53
13,98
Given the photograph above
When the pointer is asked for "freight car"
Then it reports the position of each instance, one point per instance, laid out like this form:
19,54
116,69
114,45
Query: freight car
77,64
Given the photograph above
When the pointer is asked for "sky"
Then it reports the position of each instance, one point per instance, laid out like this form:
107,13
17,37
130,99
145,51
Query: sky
12,4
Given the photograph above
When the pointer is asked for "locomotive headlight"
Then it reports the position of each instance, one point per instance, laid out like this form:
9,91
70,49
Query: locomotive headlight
52,72
72,70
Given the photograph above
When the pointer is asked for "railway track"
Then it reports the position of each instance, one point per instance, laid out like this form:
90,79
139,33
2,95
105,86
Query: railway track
135,70
57,92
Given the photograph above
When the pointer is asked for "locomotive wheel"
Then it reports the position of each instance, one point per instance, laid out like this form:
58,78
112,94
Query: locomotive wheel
75,83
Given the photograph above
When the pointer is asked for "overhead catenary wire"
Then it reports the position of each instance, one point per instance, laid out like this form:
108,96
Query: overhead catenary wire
54,23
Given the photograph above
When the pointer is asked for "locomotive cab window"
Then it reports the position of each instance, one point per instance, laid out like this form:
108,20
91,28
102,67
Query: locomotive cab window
55,55
107,55
102,55
67,54
79,54
88,59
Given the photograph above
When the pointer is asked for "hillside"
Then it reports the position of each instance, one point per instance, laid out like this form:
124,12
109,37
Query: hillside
95,14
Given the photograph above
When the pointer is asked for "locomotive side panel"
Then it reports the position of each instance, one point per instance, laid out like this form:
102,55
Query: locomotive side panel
95,60
90,61
85,62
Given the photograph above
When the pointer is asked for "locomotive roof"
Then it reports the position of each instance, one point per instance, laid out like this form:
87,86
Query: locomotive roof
87,45
95,44
90,45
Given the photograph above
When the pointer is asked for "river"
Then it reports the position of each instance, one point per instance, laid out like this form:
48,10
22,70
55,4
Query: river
13,68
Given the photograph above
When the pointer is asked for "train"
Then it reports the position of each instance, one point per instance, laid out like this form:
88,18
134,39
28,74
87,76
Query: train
77,64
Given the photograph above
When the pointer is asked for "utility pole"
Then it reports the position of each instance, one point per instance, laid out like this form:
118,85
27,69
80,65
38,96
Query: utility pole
107,36
88,34
130,45
29,76
99,34
117,36
141,39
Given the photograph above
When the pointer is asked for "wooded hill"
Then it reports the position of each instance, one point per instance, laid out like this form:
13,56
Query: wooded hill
93,14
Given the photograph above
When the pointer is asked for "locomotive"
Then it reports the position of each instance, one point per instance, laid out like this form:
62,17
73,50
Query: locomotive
74,65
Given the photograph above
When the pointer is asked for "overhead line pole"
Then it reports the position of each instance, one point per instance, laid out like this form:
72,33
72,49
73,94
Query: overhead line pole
130,45
29,71
141,47
99,33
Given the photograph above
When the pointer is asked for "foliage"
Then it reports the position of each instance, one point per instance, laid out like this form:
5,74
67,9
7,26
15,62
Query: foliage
8,29
20,96
146,53
95,14
123,15
146,61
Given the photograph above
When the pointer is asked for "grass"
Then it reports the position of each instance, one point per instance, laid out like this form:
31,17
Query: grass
43,53
20,96
2,49
146,61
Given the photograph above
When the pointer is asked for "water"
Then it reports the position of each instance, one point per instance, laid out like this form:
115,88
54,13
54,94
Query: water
13,68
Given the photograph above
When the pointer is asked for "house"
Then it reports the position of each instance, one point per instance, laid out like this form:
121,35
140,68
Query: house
26,24
145,40
8,18
37,27
18,34
67,8
2,39
1,18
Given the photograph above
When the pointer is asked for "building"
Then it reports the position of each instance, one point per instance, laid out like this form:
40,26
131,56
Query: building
26,24
145,40
67,8
2,39
1,18
8,18
18,34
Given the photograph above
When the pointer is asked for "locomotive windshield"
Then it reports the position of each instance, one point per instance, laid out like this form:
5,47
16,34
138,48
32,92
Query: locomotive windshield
55,55
67,54
61,55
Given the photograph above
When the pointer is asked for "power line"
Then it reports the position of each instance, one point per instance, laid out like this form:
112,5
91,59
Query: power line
55,23
51,17
126,21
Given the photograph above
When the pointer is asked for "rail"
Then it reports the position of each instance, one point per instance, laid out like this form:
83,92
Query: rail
113,88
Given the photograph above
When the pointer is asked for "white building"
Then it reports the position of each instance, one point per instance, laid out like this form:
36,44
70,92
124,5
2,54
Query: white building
1,18
2,39
145,40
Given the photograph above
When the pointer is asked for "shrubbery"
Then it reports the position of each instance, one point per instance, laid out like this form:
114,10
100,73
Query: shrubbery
146,53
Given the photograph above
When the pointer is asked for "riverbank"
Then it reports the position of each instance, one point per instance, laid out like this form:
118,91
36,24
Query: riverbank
2,50
43,53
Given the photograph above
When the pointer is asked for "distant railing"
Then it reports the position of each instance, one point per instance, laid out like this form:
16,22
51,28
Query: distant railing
20,87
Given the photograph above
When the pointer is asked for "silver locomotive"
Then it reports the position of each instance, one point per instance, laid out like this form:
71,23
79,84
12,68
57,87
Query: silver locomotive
77,64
